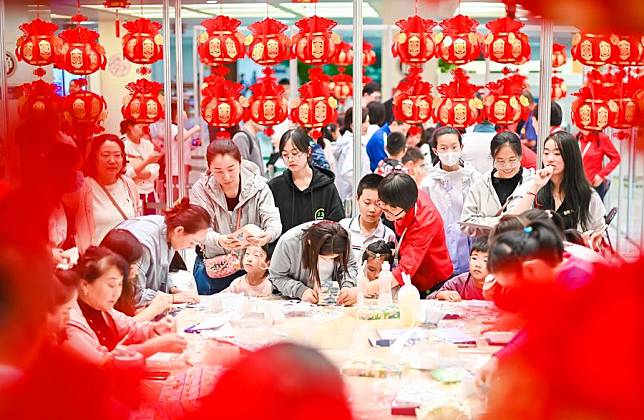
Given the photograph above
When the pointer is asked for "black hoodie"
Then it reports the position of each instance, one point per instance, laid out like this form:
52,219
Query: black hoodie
317,202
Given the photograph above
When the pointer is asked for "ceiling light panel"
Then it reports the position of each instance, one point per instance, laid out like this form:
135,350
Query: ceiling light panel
334,9
203,11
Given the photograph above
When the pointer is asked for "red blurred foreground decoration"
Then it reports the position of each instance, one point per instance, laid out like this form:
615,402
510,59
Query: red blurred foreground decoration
268,106
505,103
459,108
144,104
315,107
412,102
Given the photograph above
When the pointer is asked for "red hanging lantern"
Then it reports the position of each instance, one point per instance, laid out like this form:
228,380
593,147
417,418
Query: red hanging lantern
222,43
343,55
558,55
627,50
625,89
414,43
558,89
591,49
341,85
506,43
368,54
594,109
460,108
144,104
505,103
143,44
268,45
120,4
315,107
84,110
38,45
268,105
223,105
413,101
81,54
459,43
315,43
39,100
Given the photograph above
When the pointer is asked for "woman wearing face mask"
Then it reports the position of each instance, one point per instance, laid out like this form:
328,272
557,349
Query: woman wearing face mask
181,227
95,329
303,192
313,262
447,184
499,190
562,186
343,154
242,211
107,197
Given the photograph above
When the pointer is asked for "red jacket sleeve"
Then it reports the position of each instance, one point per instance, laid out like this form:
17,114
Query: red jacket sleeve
611,153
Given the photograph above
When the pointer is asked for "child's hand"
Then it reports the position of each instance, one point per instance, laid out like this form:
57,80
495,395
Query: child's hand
310,296
348,296
448,295
373,288
185,297
165,325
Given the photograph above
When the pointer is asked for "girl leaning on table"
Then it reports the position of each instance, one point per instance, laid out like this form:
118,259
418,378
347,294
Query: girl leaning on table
314,262
95,330
242,212
181,227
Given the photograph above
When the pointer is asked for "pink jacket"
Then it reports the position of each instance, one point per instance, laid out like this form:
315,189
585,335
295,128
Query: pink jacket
85,212
82,340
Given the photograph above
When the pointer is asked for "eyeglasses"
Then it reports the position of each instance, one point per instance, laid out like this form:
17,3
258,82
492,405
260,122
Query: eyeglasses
292,156
386,208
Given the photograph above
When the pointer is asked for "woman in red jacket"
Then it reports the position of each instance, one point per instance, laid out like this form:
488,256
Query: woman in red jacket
423,250
594,146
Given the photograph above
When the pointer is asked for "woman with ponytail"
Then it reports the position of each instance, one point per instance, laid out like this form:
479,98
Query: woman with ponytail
183,226
314,260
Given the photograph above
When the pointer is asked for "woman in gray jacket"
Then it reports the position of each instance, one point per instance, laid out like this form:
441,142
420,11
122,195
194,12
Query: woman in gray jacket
182,227
242,211
499,190
314,262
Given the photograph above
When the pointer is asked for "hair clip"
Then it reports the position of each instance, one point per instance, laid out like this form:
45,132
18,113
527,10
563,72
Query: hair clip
528,229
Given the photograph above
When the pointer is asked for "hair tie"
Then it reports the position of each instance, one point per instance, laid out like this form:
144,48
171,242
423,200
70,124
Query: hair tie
528,229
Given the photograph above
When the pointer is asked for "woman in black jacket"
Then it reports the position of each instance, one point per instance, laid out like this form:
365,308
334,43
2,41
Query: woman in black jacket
302,192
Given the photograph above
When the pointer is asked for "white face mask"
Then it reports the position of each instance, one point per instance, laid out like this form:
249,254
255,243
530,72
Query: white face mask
449,158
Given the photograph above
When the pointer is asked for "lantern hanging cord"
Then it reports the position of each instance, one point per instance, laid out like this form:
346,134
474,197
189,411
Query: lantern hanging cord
510,8
416,8
266,8
141,4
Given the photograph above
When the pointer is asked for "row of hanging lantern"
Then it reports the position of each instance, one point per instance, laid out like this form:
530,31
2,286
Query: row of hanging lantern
596,50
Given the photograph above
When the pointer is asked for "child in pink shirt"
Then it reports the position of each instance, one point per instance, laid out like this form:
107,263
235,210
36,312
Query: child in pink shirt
255,282
467,286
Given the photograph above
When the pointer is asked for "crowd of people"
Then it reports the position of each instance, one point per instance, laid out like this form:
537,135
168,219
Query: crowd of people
466,214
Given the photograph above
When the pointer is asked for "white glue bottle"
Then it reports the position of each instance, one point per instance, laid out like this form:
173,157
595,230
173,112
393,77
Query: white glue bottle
385,278
362,285
408,302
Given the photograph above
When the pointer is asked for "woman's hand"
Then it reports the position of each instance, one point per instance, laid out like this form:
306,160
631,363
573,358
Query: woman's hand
229,242
171,343
597,181
594,238
161,302
448,295
185,297
165,325
541,179
348,296
310,296
259,240
153,158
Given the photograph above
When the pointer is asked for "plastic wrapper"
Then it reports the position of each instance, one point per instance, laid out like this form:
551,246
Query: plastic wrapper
379,312
372,369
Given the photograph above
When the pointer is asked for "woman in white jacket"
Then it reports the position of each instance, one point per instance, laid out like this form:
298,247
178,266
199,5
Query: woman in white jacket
447,183
499,190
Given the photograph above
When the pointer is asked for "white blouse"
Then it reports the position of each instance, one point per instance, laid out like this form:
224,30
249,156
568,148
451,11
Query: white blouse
106,215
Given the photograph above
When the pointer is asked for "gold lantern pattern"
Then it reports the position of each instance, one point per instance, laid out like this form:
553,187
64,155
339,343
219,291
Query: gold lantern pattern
595,109
627,50
315,43
143,44
80,53
38,45
414,44
267,44
591,49
144,104
506,43
459,43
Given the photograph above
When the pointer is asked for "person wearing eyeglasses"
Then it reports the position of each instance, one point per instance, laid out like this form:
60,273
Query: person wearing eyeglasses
303,193
422,250
500,189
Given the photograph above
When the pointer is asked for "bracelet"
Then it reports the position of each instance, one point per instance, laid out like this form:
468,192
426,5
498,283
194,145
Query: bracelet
531,193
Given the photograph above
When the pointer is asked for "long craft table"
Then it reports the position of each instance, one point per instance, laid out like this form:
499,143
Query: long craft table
343,339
